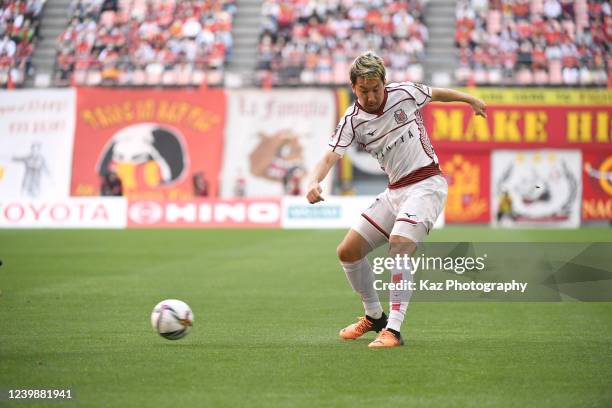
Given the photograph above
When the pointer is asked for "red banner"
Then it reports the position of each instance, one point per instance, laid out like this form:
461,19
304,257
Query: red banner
596,186
468,175
261,213
154,140
452,126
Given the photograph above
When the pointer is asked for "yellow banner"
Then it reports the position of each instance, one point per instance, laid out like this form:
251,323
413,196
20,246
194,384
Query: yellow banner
542,96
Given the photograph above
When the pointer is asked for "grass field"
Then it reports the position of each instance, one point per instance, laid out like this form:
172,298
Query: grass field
74,312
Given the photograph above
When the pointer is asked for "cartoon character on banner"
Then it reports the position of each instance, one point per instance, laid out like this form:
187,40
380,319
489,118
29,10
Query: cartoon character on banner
279,157
35,166
144,156
536,188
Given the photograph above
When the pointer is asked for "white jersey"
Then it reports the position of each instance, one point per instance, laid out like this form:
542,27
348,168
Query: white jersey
395,135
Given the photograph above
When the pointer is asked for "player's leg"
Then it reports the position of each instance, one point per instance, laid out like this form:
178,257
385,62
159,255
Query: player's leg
418,208
403,247
352,253
366,235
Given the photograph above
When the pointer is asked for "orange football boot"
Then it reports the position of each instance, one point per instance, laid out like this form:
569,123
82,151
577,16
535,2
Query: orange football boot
386,338
363,325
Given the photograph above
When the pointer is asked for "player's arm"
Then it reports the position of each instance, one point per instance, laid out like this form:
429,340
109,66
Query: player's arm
318,174
451,95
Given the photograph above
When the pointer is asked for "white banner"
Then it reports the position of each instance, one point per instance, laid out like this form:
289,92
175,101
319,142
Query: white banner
536,188
90,212
205,213
273,139
36,138
334,212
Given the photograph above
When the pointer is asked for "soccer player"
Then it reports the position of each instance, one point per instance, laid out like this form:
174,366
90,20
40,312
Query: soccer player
386,121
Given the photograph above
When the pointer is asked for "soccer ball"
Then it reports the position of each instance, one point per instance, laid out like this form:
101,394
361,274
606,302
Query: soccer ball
172,319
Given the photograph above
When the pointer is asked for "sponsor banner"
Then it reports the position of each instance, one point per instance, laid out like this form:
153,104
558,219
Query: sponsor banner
260,213
536,188
156,141
273,139
36,136
85,212
452,125
597,186
469,183
334,212
539,96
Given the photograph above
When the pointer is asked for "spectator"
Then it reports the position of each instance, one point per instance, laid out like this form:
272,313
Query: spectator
542,41
111,185
19,22
135,42
309,41
200,185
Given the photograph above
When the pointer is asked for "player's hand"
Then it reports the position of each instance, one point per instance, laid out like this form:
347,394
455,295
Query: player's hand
314,193
480,108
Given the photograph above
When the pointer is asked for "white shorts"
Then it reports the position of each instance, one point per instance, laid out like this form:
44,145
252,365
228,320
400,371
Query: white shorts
409,212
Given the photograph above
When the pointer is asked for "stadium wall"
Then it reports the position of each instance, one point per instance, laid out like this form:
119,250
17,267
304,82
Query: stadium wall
546,152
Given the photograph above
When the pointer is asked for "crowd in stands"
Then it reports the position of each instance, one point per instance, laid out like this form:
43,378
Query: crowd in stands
314,41
539,42
19,22
305,42
145,42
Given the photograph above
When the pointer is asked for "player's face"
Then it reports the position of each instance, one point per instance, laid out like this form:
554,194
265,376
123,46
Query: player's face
370,92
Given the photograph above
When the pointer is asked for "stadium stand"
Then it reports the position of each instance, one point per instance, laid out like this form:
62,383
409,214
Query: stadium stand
307,42
313,42
538,42
140,42
19,22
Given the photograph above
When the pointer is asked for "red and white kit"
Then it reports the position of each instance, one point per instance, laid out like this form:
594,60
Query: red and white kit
396,137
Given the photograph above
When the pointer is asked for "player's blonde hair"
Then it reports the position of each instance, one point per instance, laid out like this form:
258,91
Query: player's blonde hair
367,65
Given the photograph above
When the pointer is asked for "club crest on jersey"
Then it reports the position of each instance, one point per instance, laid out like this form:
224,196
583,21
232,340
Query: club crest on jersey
400,116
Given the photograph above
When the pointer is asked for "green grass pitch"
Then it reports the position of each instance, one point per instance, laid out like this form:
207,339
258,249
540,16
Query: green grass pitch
75,305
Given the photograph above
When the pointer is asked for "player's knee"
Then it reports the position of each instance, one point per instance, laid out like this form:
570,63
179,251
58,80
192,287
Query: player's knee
348,253
401,245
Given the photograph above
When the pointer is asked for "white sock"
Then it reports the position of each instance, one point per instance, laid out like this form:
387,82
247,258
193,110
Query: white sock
361,278
398,299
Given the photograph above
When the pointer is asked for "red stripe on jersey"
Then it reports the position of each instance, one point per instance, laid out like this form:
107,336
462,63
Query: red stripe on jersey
395,306
423,138
355,110
418,175
396,278
378,227
407,220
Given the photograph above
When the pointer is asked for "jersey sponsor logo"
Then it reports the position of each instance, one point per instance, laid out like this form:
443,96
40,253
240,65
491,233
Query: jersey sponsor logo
381,153
400,116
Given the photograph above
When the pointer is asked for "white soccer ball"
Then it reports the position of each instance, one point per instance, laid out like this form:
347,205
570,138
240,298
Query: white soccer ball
172,319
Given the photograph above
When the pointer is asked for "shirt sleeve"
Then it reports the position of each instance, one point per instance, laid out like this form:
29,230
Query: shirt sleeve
343,135
421,93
